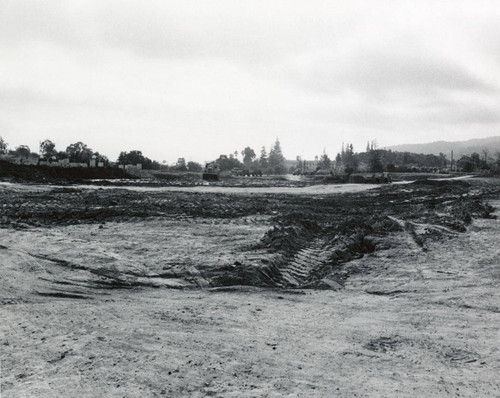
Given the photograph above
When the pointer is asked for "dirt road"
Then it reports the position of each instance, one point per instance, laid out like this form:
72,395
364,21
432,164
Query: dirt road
209,189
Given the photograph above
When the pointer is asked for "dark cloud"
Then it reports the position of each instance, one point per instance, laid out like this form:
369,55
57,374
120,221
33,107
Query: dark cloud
419,71
384,73
459,114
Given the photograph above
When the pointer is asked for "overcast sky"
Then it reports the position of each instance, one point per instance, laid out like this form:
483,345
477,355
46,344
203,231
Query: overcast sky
195,79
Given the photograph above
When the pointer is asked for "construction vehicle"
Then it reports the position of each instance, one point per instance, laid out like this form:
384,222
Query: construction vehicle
211,171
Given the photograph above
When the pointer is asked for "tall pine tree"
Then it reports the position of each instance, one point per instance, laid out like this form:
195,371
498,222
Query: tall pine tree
263,160
276,159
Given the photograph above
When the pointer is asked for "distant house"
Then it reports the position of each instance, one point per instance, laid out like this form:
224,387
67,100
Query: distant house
306,166
31,159
310,165
53,162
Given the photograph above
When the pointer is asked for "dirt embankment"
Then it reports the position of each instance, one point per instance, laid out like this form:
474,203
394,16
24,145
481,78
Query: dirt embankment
56,175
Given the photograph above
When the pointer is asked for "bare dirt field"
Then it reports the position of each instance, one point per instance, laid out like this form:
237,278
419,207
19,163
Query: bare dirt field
323,291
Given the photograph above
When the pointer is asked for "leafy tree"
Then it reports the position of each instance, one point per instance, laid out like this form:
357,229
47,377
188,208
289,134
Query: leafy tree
136,157
442,158
47,149
375,158
324,161
276,159
485,152
466,163
132,157
194,166
401,161
338,159
475,158
348,160
79,152
227,163
181,164
23,151
406,158
248,156
376,165
3,146
157,165
406,161
102,158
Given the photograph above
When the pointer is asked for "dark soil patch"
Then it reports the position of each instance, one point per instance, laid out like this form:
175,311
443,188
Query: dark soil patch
63,295
309,238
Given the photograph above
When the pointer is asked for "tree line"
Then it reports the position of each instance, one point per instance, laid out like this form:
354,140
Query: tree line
373,159
272,163
79,152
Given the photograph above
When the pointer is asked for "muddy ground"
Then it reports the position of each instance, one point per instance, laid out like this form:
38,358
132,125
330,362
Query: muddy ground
388,291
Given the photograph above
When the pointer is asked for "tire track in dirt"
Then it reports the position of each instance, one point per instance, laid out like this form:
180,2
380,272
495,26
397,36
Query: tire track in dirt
299,270
315,263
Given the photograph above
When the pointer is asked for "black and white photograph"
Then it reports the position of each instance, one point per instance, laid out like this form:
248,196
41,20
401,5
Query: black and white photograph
260,198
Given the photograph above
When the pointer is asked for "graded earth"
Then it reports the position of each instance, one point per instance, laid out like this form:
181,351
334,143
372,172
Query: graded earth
322,291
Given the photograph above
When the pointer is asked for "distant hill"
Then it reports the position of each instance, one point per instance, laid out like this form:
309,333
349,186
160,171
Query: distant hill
492,144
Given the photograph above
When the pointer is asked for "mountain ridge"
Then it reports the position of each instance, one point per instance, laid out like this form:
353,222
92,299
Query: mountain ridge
459,148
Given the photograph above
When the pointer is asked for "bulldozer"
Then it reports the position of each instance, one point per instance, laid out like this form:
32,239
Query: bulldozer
211,171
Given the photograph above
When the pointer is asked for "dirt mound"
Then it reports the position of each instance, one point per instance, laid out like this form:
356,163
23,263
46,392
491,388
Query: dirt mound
310,247
288,237
44,174
468,208
386,225
306,258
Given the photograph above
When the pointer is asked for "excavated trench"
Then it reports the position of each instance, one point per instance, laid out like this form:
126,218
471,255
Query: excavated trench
299,258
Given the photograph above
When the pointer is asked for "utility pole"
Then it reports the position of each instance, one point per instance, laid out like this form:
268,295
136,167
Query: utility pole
451,166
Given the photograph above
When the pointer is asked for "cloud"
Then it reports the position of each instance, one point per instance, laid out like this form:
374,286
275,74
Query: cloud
198,78
252,31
